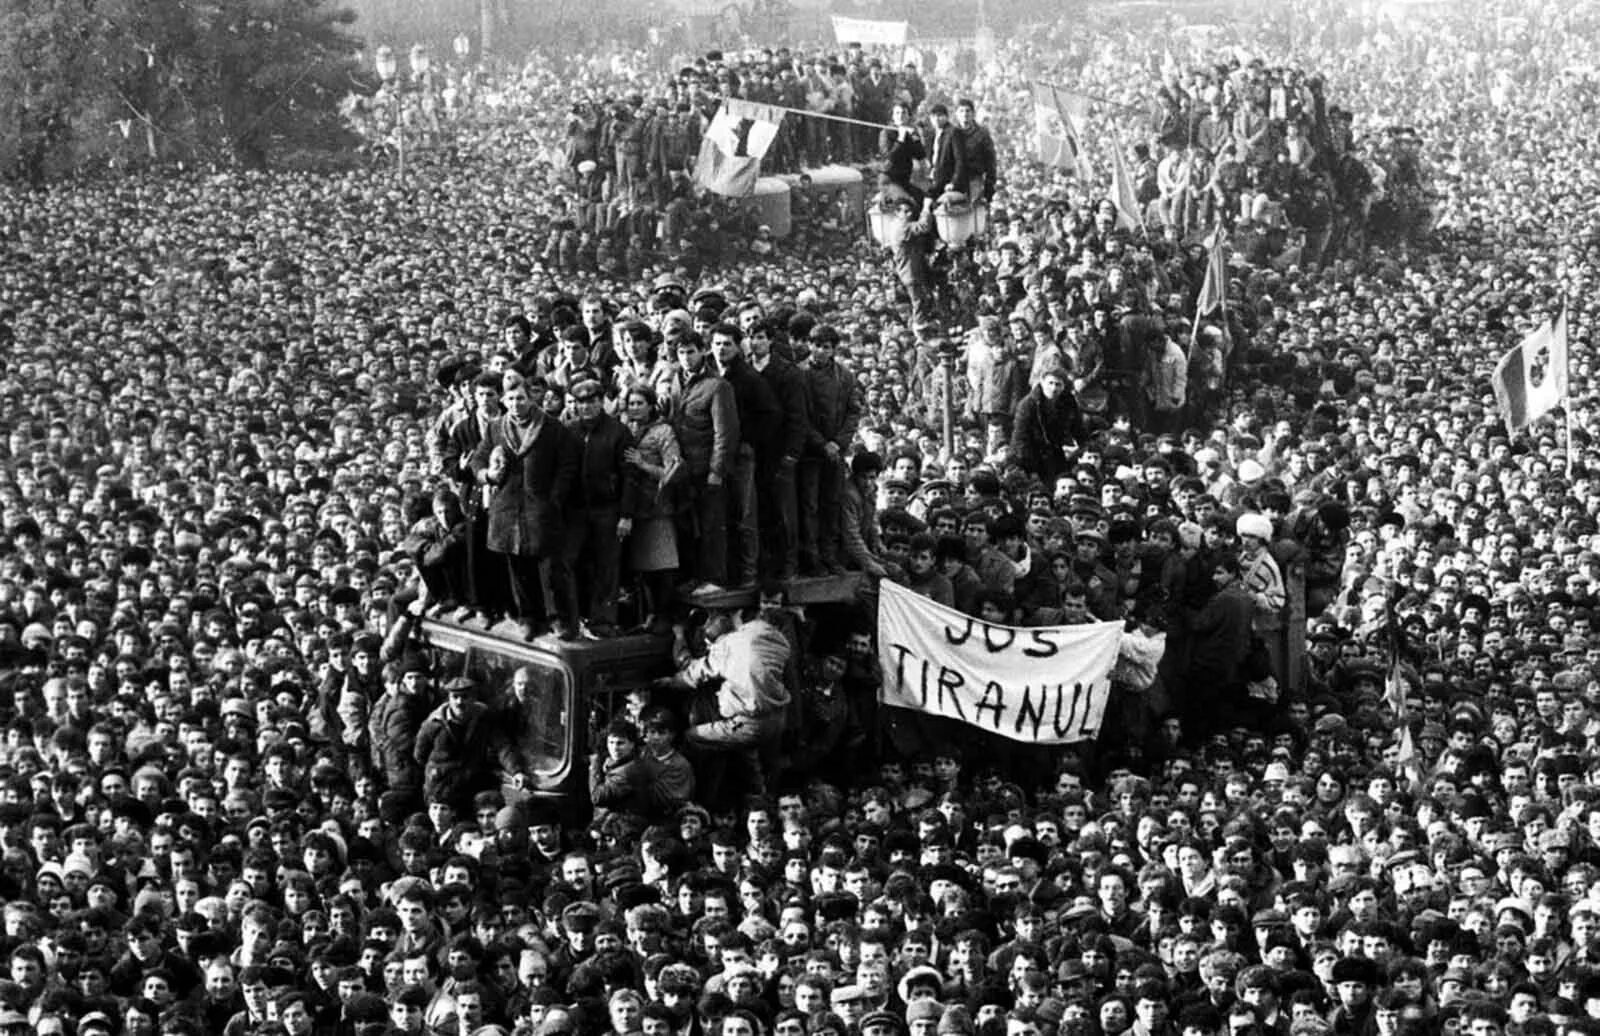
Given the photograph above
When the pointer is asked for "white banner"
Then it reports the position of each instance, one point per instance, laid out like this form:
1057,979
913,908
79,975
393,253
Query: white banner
1043,685
869,32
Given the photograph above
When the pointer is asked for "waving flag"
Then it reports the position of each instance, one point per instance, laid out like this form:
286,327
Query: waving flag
1531,379
1056,131
733,146
1214,289
1170,72
1129,216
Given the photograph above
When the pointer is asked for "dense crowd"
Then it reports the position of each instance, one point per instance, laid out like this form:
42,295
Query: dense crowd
258,423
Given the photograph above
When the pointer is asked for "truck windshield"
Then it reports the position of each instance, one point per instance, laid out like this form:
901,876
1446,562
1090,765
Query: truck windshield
541,683
542,735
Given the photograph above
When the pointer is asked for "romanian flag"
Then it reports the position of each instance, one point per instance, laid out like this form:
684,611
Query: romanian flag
1123,195
1214,289
733,146
1531,379
1056,132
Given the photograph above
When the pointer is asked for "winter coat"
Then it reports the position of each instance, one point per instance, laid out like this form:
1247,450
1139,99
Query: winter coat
530,496
1040,431
760,416
1220,636
658,448
833,401
997,382
619,786
788,384
393,727
454,752
707,426
1264,580
460,444
603,481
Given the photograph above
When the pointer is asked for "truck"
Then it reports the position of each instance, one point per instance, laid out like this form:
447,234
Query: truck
579,685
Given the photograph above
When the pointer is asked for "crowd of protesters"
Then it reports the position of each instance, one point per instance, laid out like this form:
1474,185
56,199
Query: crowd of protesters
256,423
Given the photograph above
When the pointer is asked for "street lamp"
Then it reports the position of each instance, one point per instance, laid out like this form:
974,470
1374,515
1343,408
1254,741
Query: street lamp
462,45
388,71
421,63
949,352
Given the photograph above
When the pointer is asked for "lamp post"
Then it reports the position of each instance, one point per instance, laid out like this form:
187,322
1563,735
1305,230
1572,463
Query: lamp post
388,71
421,64
948,352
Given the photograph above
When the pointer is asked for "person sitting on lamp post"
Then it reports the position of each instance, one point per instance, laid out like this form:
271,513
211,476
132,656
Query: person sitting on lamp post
901,147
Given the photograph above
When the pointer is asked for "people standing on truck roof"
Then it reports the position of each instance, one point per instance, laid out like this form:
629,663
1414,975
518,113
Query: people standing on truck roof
486,589
656,464
760,420
600,513
779,487
858,524
833,401
437,544
706,422
532,462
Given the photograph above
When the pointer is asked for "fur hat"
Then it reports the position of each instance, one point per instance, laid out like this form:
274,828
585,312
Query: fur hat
1253,524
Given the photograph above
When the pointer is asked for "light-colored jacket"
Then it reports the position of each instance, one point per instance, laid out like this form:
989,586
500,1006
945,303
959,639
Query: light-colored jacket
751,661
1169,378
1263,580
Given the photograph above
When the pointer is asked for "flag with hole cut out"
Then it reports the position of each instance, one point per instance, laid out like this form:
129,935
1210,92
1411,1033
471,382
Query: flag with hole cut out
1531,378
733,146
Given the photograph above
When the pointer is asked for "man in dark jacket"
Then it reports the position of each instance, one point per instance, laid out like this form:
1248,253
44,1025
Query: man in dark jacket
874,96
948,168
618,773
392,728
776,487
145,957
707,427
1220,637
900,146
532,462
486,589
760,419
983,165
1047,425
601,516
454,746
833,402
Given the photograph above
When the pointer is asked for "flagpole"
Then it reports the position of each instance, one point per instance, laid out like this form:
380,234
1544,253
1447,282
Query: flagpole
823,115
1566,390
1091,97
1222,288
1119,171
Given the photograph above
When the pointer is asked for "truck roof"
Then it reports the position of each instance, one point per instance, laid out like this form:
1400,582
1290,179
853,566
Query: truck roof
507,637
835,589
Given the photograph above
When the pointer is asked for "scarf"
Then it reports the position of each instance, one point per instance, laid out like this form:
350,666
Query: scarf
521,436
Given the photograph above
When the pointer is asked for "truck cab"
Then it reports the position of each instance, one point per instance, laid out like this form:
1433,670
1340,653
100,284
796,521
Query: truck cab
576,687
